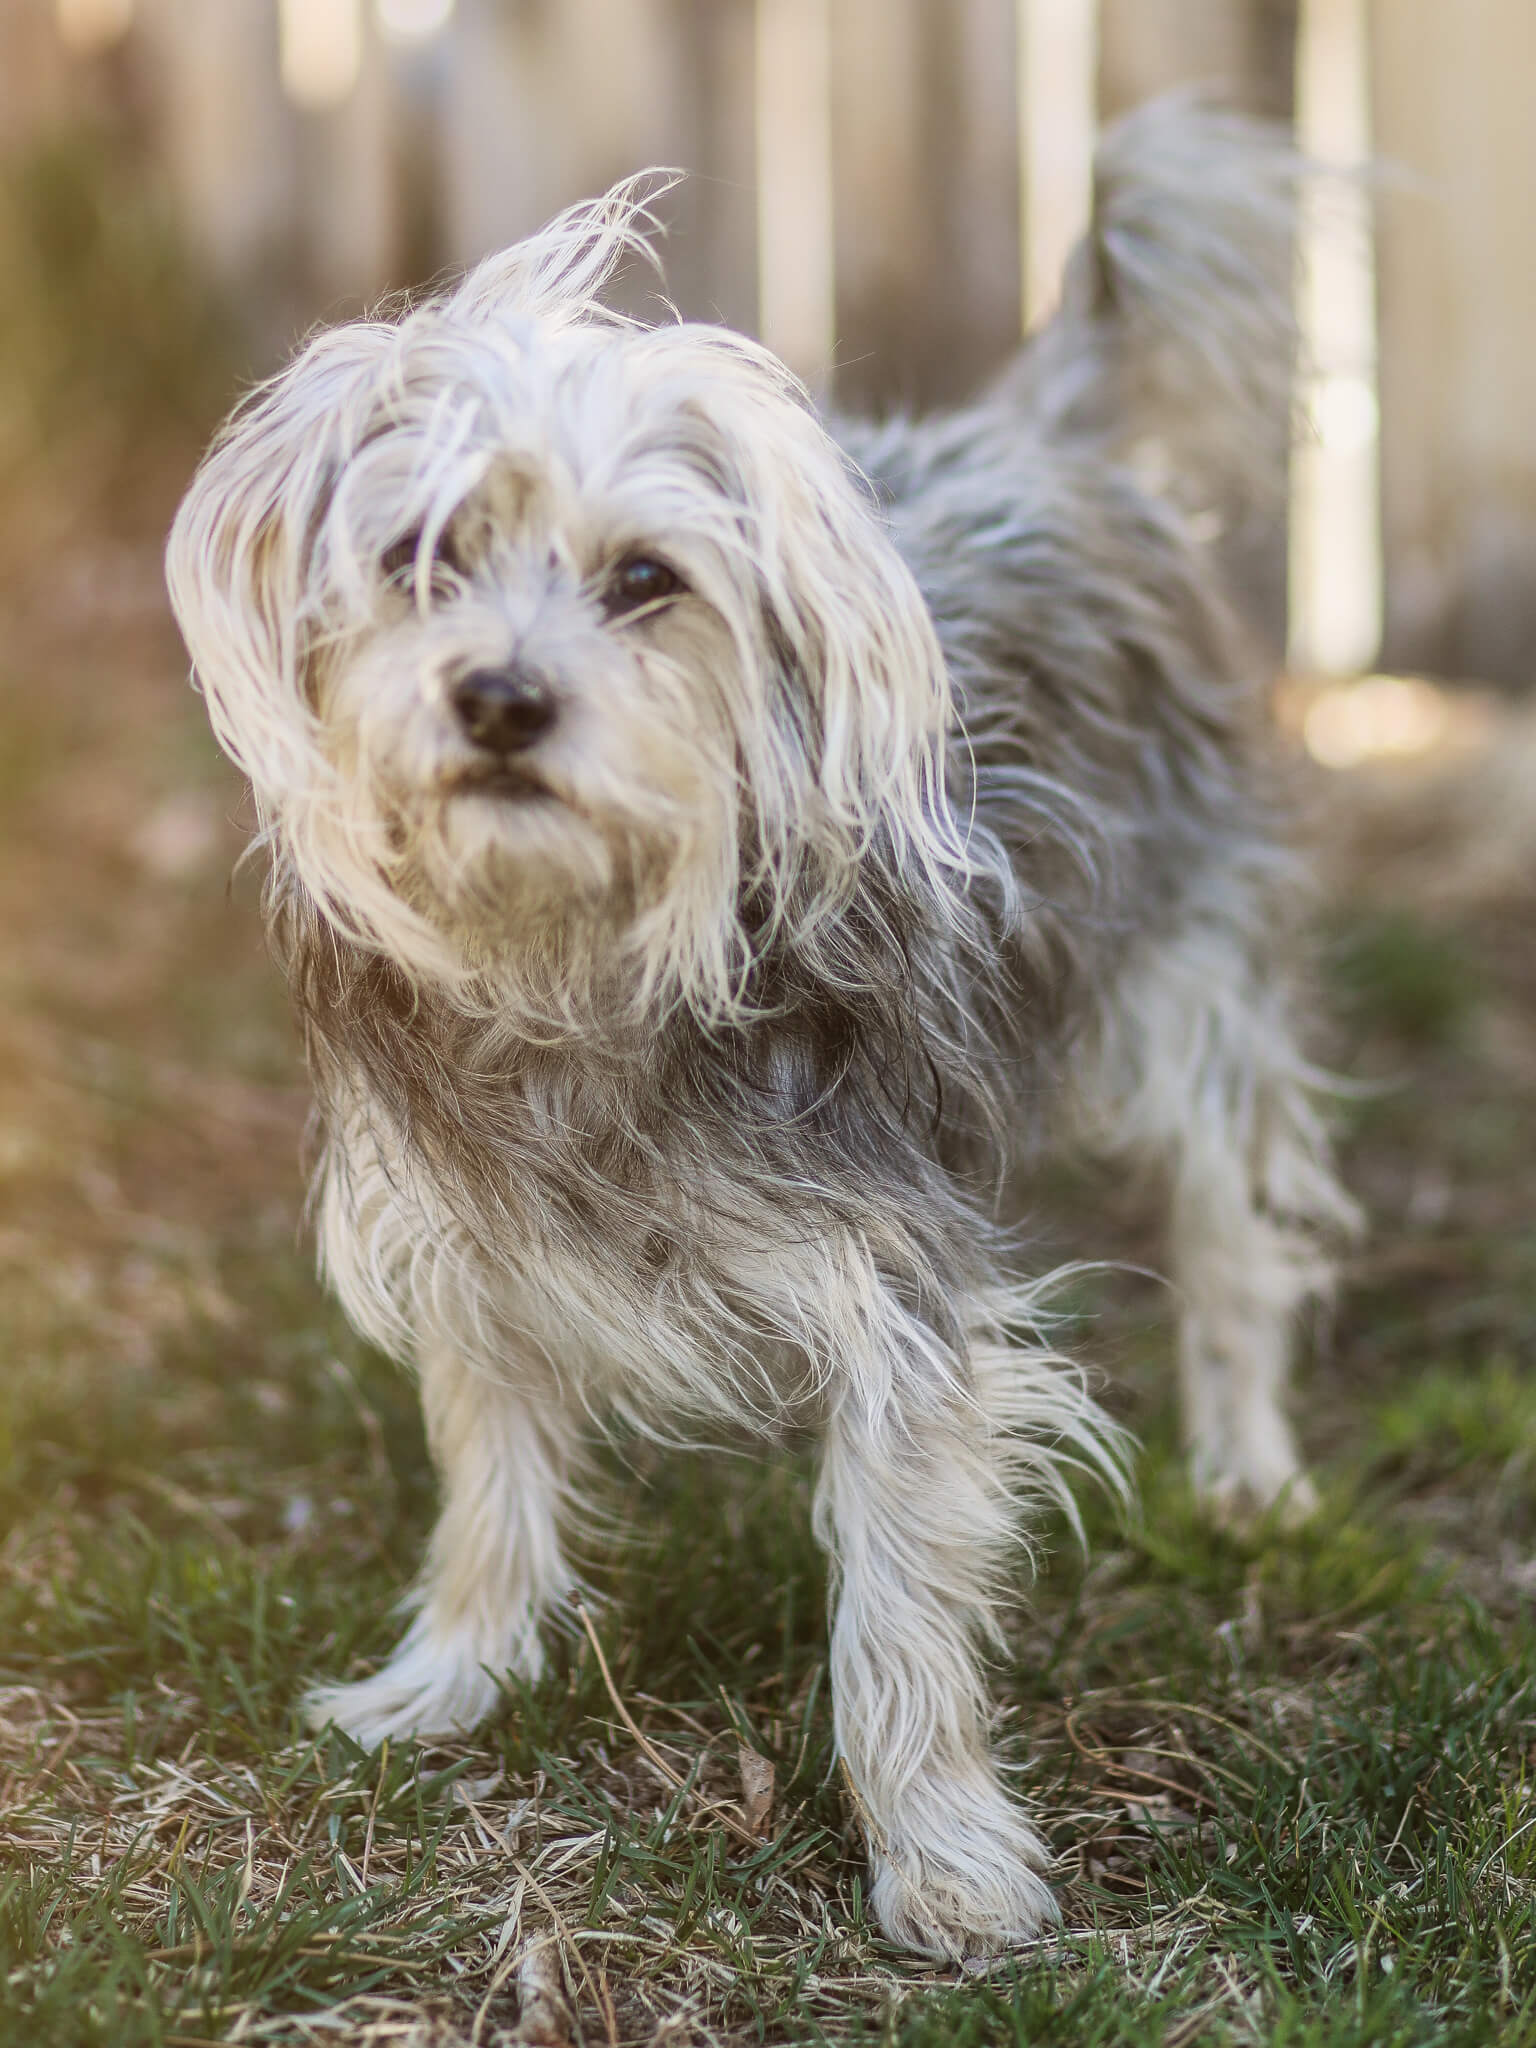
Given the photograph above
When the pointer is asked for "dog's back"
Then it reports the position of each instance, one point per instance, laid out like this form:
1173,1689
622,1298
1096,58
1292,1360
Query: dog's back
1074,533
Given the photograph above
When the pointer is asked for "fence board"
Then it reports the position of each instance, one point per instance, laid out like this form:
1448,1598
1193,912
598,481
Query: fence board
352,227
229,138
1458,335
925,174
1242,47
716,211
550,101
792,95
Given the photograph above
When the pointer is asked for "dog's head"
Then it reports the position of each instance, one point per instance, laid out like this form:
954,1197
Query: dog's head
549,638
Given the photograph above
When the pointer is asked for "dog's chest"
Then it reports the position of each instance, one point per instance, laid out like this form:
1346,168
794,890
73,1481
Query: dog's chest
615,1226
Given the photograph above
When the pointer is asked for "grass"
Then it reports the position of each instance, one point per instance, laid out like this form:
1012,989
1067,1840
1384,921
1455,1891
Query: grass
1288,1779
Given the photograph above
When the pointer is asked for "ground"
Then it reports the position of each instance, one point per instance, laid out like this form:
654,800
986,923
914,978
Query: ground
1288,1777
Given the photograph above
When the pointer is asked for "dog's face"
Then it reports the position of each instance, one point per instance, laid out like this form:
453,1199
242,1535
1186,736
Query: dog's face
532,627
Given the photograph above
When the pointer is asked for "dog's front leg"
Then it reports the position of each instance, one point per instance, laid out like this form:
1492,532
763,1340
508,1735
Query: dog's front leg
913,1506
495,1563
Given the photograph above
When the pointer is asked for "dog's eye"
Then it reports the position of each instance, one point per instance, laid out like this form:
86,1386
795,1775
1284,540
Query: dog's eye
398,560
639,582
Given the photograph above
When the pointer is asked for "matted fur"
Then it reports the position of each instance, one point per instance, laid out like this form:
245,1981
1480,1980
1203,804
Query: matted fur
676,1070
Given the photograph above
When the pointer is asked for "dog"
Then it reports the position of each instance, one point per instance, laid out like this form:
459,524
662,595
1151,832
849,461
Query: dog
716,851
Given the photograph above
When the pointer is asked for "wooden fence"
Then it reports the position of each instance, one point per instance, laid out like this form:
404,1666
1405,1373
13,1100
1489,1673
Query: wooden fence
860,187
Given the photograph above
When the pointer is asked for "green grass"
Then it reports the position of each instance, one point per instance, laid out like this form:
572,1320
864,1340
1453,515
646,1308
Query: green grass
1289,1778
1395,972
1449,1422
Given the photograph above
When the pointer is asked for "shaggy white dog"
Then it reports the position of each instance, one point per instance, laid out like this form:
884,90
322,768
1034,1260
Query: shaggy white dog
712,848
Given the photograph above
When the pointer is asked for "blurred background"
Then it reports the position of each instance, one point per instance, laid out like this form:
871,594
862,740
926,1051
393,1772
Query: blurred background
881,188
884,190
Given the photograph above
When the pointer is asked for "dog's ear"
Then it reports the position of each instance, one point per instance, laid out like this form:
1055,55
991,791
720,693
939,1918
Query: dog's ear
854,642
241,553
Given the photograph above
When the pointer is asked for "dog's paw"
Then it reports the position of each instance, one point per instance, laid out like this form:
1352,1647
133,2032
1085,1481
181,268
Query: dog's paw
428,1688
1241,1500
1250,1472
977,1892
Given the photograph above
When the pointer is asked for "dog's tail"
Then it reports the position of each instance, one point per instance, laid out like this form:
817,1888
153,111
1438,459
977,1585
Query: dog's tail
1175,340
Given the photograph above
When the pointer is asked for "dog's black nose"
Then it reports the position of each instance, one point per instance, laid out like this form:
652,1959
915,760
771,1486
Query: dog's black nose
503,710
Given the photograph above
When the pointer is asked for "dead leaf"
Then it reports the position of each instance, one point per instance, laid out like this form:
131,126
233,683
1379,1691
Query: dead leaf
756,1789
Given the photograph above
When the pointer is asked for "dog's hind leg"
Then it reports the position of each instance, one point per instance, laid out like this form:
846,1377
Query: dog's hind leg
1242,1272
495,1563
1197,1071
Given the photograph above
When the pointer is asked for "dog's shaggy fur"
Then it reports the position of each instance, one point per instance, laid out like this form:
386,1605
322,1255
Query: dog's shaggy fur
712,849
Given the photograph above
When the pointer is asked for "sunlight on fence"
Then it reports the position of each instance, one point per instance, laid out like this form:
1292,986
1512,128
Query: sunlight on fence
1058,80
1335,532
1375,717
412,21
86,26
795,281
322,50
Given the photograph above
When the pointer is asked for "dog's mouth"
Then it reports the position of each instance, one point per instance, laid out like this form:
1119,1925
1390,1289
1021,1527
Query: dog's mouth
505,781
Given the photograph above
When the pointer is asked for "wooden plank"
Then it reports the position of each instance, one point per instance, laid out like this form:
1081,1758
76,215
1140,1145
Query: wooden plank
351,172
925,171
1058,120
229,140
795,259
712,256
1458,335
551,101
1243,48
1335,539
